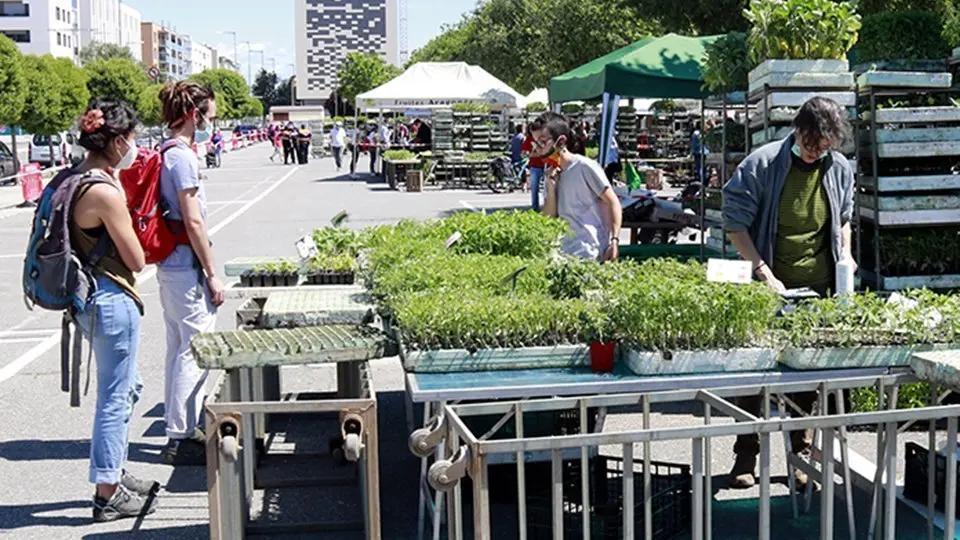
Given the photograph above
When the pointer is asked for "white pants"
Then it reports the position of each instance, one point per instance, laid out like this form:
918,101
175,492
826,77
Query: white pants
187,311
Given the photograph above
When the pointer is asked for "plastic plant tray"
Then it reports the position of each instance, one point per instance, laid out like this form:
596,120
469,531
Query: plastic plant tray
318,306
279,347
704,361
462,360
852,357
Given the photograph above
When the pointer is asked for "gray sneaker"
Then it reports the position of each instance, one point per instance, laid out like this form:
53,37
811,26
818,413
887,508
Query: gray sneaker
123,504
138,486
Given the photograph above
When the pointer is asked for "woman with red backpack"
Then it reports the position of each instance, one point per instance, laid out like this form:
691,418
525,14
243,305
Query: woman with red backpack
102,236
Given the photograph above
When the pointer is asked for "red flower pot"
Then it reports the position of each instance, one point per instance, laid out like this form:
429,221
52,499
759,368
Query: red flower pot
602,356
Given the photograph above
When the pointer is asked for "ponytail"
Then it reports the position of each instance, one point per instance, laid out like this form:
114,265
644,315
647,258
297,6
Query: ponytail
183,98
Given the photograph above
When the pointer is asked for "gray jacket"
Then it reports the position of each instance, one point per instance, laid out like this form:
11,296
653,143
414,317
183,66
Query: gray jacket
751,199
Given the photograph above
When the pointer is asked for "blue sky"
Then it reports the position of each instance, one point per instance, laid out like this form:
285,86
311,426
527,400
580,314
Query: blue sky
269,24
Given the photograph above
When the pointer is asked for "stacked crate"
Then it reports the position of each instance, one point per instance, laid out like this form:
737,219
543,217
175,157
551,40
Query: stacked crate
909,150
442,130
627,133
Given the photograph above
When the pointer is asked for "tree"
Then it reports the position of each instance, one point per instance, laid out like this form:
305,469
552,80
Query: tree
149,107
13,82
230,89
116,78
252,108
362,72
525,42
696,17
73,90
104,51
285,92
265,88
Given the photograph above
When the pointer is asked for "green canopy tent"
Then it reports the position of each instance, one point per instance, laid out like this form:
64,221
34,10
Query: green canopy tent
656,67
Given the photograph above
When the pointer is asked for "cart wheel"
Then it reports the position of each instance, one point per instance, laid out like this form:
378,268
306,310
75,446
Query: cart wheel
417,443
335,446
229,448
437,476
352,447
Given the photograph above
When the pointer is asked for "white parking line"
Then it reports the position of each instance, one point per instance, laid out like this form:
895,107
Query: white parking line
4,341
13,256
53,339
469,206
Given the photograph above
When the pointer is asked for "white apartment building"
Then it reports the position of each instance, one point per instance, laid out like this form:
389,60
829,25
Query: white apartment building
42,26
110,21
201,55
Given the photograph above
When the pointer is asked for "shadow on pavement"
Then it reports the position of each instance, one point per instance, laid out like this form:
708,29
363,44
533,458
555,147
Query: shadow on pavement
31,515
38,450
191,532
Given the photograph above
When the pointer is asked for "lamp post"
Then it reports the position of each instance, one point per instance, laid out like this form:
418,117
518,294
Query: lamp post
260,52
249,76
236,58
273,64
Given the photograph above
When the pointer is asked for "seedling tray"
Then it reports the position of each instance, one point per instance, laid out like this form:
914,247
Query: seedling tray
235,267
331,277
902,283
852,357
257,278
289,309
706,361
461,360
278,347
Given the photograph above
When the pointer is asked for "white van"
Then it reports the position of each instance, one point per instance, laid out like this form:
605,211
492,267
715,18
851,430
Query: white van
64,143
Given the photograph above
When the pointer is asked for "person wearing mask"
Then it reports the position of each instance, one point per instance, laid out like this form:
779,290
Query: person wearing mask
535,167
338,141
788,210
190,289
303,138
111,319
577,191
424,134
217,141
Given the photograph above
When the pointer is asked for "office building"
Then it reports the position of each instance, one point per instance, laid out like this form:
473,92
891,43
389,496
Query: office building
110,21
164,48
327,30
225,62
42,26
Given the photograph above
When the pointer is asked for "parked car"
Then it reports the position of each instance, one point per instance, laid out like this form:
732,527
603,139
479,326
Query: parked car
64,144
245,129
9,165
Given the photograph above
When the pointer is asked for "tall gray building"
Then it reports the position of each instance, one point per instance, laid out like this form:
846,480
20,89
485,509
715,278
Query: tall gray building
327,30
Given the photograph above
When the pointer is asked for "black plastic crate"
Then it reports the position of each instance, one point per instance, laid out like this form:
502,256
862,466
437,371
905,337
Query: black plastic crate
263,278
915,476
329,277
535,424
671,489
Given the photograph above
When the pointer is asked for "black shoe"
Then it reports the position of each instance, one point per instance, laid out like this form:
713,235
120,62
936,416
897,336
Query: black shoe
138,486
191,451
123,504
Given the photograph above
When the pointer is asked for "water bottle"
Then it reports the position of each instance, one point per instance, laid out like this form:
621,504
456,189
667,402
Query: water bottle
844,285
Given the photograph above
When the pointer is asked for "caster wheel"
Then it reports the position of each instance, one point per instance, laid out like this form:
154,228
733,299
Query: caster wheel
417,443
437,476
229,448
352,447
335,446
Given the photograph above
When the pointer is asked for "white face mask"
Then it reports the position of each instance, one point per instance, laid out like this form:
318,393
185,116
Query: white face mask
128,158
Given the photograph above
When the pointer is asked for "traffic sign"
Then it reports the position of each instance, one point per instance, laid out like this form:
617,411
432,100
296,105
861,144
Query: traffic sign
153,72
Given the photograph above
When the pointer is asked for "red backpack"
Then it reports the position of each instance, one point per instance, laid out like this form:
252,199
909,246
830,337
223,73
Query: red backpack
158,235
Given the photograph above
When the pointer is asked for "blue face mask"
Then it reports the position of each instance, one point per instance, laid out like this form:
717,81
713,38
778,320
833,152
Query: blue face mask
799,154
204,133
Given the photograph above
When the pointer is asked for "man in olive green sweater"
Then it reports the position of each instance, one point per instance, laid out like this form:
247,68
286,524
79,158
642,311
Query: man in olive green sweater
788,210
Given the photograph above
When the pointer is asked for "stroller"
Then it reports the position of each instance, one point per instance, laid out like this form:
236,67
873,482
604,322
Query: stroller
212,159
504,176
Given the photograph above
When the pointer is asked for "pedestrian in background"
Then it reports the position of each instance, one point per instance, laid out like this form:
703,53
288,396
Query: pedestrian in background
373,148
277,143
190,290
101,232
535,168
338,140
287,138
302,139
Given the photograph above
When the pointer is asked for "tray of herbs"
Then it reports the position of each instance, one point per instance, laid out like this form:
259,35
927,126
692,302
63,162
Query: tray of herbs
275,274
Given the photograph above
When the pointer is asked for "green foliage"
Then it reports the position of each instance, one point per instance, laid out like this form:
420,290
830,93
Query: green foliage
149,107
281,267
537,107
58,94
665,106
399,155
13,82
362,72
337,240
695,17
525,42
872,7
727,64
231,91
801,29
252,108
266,89
116,78
910,35
571,108
736,137
471,107
333,262
98,52
868,319
922,252
593,152
482,156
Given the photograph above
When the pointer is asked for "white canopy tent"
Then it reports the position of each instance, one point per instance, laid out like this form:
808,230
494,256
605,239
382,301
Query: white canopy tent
432,85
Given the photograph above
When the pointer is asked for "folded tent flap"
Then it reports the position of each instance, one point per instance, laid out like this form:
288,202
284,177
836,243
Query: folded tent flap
291,346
